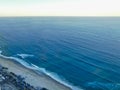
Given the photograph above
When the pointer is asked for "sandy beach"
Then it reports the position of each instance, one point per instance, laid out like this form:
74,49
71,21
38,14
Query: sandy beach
31,77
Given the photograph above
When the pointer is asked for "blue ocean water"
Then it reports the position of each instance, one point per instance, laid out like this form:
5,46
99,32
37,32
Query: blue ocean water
82,51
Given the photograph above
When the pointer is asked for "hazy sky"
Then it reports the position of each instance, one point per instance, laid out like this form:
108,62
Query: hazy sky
59,7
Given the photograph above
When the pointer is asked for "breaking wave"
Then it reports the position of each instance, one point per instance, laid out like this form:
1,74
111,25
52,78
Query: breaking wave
41,70
25,55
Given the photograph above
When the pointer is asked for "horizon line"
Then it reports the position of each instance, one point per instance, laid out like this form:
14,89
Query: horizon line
59,16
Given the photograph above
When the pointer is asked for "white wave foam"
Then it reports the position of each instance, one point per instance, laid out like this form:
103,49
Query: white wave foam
25,55
0,52
43,70
57,78
18,60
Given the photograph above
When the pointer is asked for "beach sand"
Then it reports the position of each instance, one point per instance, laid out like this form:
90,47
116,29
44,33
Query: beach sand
31,76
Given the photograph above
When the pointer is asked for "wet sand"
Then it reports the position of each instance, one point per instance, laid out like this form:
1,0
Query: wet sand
31,77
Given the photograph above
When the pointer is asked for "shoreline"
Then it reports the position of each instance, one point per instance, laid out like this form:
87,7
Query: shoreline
33,77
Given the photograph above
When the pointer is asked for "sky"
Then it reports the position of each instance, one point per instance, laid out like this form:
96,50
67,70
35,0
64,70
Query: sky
59,7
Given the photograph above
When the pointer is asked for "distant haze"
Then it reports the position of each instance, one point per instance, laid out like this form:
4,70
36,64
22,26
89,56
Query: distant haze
59,7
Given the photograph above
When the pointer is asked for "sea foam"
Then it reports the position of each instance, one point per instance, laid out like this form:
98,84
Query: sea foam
41,70
25,55
57,78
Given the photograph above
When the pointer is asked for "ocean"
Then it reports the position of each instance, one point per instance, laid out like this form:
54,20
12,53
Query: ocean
80,52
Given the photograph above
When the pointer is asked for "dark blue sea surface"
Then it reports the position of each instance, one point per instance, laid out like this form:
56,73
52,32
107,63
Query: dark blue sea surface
83,51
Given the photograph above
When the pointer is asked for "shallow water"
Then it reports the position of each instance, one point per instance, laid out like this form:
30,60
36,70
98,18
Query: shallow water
84,52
